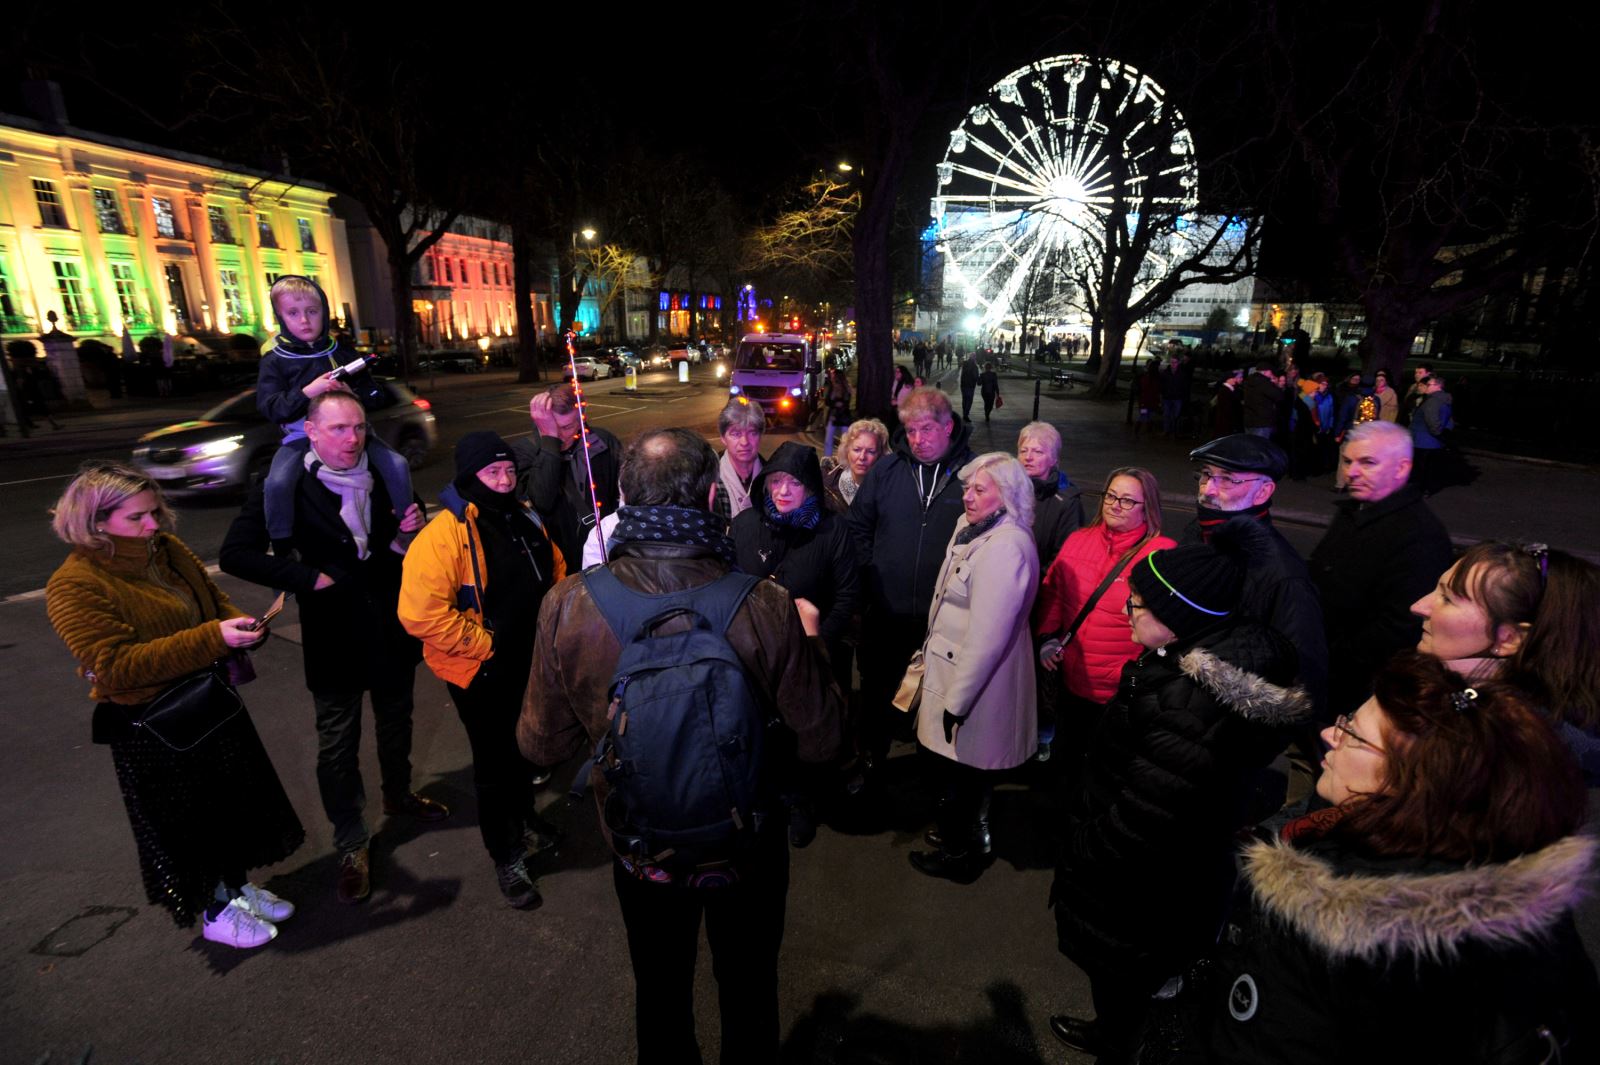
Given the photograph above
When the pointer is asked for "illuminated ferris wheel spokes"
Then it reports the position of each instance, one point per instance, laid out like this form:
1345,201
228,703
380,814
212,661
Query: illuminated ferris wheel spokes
1042,164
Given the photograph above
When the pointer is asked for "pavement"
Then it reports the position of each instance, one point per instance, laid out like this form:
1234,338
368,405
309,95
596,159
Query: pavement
880,965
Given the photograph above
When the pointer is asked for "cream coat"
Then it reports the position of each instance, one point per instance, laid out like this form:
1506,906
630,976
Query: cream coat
978,657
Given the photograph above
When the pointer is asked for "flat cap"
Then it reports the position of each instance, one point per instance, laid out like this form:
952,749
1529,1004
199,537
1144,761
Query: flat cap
1244,453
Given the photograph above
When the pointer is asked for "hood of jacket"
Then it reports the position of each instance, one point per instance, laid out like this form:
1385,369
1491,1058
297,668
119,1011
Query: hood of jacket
288,345
1248,694
798,461
1429,916
957,453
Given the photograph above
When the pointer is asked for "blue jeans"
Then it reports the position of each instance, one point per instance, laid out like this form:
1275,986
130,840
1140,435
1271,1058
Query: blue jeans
278,489
344,797
1171,410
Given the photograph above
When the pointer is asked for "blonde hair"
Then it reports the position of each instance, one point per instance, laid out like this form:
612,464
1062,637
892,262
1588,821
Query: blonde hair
1042,432
99,488
294,284
866,425
1016,491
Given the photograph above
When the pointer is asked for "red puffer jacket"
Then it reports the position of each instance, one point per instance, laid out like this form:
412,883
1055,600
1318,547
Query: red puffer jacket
1092,662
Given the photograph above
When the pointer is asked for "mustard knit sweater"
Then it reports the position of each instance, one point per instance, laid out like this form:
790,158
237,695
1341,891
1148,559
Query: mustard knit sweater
130,618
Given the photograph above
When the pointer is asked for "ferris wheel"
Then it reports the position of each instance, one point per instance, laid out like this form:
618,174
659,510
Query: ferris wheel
1056,151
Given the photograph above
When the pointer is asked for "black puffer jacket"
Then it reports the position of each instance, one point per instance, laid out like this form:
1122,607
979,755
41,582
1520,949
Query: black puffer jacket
1146,865
1057,514
902,530
556,483
1337,958
816,564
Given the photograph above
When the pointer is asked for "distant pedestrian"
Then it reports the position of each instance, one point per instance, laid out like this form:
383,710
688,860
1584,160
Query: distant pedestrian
970,373
1260,396
989,385
1431,425
837,398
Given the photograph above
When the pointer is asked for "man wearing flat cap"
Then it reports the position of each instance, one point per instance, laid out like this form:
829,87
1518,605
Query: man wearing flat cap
1237,475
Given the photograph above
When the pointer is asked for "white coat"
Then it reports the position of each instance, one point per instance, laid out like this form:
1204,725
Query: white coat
978,657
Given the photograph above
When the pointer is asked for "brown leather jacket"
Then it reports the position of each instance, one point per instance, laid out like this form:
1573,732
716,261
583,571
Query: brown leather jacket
576,653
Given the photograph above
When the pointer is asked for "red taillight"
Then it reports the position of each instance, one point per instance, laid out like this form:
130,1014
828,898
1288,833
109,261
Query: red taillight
421,404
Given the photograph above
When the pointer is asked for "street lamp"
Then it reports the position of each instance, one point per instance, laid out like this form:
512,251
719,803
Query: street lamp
588,233
845,167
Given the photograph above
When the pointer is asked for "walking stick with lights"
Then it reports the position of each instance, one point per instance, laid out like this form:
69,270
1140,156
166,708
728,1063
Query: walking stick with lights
583,431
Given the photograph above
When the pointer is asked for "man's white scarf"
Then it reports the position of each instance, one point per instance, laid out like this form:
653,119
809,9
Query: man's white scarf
736,491
354,489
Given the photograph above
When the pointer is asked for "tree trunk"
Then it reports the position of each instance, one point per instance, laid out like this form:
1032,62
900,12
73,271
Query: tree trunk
1387,345
405,320
1113,337
522,288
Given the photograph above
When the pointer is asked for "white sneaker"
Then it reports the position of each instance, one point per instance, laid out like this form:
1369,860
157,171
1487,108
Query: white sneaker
235,927
259,902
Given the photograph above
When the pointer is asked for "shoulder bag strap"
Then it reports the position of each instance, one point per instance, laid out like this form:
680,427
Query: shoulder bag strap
1094,596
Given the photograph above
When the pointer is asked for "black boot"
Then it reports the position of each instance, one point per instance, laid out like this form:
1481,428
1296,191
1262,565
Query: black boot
1078,1034
960,868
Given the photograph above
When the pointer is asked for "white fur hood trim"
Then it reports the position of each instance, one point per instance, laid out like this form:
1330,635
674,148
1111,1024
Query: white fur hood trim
1245,693
1370,917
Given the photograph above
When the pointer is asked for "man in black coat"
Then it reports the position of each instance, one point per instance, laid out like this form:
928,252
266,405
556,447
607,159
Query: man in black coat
343,564
552,474
1382,552
1260,397
1239,474
902,519
970,372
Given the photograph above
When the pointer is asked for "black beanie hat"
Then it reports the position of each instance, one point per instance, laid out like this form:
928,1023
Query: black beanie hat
1189,589
478,449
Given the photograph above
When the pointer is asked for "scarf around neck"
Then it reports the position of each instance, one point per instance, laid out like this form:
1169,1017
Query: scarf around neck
972,532
354,489
805,516
847,484
1210,519
736,491
683,526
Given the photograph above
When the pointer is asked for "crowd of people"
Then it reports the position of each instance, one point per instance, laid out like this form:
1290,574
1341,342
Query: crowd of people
1412,900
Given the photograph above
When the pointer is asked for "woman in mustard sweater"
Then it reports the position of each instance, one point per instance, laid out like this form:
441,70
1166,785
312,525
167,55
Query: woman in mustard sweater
137,610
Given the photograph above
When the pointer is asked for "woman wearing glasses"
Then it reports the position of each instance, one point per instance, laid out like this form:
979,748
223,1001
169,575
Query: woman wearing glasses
1529,616
1125,528
1426,915
1146,863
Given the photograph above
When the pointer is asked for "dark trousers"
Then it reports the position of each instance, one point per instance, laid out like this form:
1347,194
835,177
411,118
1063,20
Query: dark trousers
338,750
489,708
988,404
744,928
1121,1004
966,402
964,793
887,643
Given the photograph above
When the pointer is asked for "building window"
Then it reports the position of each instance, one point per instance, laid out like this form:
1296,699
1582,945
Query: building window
10,321
232,296
221,231
166,221
308,240
464,279
449,272
269,239
127,289
108,212
69,285
497,274
49,201
484,269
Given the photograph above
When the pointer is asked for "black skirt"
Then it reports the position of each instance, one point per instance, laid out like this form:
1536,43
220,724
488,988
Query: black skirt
203,814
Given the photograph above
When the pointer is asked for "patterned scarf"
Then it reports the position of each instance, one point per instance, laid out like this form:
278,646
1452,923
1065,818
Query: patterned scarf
1210,519
684,526
805,516
847,484
354,489
972,532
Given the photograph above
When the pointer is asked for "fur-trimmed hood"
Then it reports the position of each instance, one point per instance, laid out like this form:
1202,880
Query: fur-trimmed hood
1247,694
1374,917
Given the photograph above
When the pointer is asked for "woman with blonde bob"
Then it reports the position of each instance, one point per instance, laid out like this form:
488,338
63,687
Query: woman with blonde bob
864,443
976,713
137,610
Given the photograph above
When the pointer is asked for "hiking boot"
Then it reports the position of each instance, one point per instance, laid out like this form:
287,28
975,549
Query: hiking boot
234,926
517,886
259,902
355,882
417,808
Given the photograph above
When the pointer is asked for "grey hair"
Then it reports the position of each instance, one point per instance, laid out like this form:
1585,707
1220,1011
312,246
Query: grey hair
1044,433
741,412
1383,434
1016,491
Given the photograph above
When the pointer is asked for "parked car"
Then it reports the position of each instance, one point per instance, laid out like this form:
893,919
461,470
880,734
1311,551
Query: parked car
655,357
590,368
231,443
621,358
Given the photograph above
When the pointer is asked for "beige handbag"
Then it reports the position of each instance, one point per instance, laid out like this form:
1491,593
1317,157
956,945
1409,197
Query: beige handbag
910,693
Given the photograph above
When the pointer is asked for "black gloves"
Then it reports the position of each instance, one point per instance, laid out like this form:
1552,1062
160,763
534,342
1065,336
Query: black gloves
950,723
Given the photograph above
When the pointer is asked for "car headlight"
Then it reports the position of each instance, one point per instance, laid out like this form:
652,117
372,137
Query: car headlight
722,371
215,448
797,391
733,390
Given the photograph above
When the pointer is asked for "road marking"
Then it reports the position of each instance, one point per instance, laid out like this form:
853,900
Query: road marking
32,480
212,569
499,410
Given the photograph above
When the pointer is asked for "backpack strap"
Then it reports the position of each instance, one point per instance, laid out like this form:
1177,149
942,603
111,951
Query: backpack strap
627,611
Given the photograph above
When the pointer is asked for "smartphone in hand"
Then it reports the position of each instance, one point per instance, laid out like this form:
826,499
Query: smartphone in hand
272,611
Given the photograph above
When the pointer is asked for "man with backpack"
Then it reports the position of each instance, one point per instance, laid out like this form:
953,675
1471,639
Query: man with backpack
697,687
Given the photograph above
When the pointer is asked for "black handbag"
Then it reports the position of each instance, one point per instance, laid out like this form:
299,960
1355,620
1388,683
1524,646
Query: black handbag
181,717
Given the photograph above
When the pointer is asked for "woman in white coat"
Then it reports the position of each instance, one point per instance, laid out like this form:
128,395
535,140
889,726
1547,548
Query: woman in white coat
976,714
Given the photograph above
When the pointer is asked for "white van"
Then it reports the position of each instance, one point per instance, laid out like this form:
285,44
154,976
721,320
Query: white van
780,371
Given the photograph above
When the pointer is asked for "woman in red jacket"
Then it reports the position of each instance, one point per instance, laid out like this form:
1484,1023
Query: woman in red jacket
1126,528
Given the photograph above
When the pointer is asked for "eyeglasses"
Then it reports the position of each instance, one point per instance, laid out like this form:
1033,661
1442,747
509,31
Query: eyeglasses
1130,606
1342,725
1116,502
1201,477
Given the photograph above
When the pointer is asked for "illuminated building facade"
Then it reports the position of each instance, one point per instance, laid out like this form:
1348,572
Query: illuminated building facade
112,234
